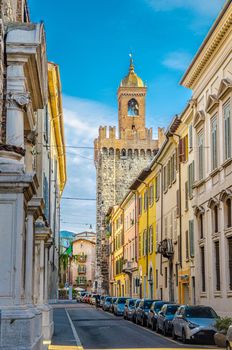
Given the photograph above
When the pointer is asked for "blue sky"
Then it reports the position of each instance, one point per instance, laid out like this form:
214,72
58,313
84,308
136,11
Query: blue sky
91,40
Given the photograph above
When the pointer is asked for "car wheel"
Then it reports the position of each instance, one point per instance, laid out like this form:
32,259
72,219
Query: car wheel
184,340
173,333
164,330
228,347
136,320
148,324
153,325
144,323
157,327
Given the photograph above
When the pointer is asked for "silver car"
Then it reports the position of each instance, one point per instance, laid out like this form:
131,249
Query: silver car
229,339
194,323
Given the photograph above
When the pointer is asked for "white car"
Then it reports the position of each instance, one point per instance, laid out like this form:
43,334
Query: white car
229,339
194,323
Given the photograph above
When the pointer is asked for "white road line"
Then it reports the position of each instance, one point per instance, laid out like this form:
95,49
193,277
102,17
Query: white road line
77,339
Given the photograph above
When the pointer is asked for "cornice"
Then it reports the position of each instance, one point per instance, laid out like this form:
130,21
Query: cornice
216,35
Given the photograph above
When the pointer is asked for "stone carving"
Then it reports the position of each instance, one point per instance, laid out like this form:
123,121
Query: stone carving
8,11
18,100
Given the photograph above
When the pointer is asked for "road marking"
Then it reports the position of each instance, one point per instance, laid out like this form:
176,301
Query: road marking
74,330
64,347
147,349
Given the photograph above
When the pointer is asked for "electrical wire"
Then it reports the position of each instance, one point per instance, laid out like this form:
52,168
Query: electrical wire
78,199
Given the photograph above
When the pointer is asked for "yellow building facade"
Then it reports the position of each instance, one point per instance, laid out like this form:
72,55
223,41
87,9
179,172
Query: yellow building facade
144,186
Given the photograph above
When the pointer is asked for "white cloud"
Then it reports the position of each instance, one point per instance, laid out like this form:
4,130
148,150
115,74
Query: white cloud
82,119
178,60
208,8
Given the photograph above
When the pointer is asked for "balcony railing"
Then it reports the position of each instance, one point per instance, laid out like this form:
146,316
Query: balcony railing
81,271
130,266
82,258
81,281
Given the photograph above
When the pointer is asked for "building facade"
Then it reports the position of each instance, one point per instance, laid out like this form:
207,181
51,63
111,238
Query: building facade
28,235
83,268
210,78
119,159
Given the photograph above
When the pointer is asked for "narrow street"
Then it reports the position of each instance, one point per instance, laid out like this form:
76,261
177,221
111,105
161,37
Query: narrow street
101,330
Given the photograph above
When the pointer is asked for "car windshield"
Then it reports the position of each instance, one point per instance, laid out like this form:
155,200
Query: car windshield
200,312
131,302
121,300
171,310
137,303
158,306
108,299
147,304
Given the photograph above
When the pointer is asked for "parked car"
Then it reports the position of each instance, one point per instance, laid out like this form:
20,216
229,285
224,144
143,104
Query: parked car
153,313
165,317
142,311
129,306
229,339
102,300
194,323
114,299
134,311
107,304
119,306
93,298
79,296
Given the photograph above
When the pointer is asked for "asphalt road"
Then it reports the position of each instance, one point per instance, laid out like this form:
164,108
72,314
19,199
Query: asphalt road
101,330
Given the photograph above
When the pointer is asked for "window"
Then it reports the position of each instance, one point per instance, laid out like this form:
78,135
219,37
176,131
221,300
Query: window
176,275
169,173
145,204
202,255
190,137
201,226
140,205
166,277
186,244
171,225
151,239
228,212
217,265
140,245
186,195
151,195
227,130
190,179
214,151
200,156
183,149
145,242
165,179
157,187
215,218
166,227
230,261
191,238
133,108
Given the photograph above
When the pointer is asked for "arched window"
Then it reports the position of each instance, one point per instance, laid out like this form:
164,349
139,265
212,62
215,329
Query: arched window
123,153
215,211
228,212
133,108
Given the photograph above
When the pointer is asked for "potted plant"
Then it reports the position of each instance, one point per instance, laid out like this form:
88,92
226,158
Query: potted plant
222,324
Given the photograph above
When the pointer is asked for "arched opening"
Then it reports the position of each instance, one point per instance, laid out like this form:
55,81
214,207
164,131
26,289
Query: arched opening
123,153
228,213
133,108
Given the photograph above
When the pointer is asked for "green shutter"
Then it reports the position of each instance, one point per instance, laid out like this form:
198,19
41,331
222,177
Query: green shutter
191,238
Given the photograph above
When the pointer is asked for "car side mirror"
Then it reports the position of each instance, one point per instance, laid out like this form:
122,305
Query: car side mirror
161,313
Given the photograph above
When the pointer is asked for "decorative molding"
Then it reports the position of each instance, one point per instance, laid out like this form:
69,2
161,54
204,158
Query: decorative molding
213,201
19,100
212,103
199,119
197,210
224,87
225,194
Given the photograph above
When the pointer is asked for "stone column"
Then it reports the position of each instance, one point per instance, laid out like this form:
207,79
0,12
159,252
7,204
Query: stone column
29,258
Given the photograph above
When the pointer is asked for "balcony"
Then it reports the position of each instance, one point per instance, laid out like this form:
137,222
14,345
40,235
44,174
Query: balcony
165,248
130,266
82,258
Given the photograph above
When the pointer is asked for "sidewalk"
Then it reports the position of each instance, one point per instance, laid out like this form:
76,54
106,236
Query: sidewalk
65,336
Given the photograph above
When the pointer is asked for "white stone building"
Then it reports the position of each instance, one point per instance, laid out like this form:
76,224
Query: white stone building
27,200
209,76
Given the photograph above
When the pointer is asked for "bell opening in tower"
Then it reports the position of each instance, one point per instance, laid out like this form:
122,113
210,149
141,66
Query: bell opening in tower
133,108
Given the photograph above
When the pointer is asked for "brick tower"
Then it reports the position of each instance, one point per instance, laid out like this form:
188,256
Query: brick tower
119,160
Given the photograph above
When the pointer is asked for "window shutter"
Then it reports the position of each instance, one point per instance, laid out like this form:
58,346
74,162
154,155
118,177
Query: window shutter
190,137
177,202
186,195
181,150
191,238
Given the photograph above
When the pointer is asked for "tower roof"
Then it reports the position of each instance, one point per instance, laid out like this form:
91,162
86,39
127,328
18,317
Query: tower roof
132,79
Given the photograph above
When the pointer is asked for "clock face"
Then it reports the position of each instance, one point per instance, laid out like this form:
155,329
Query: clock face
133,108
